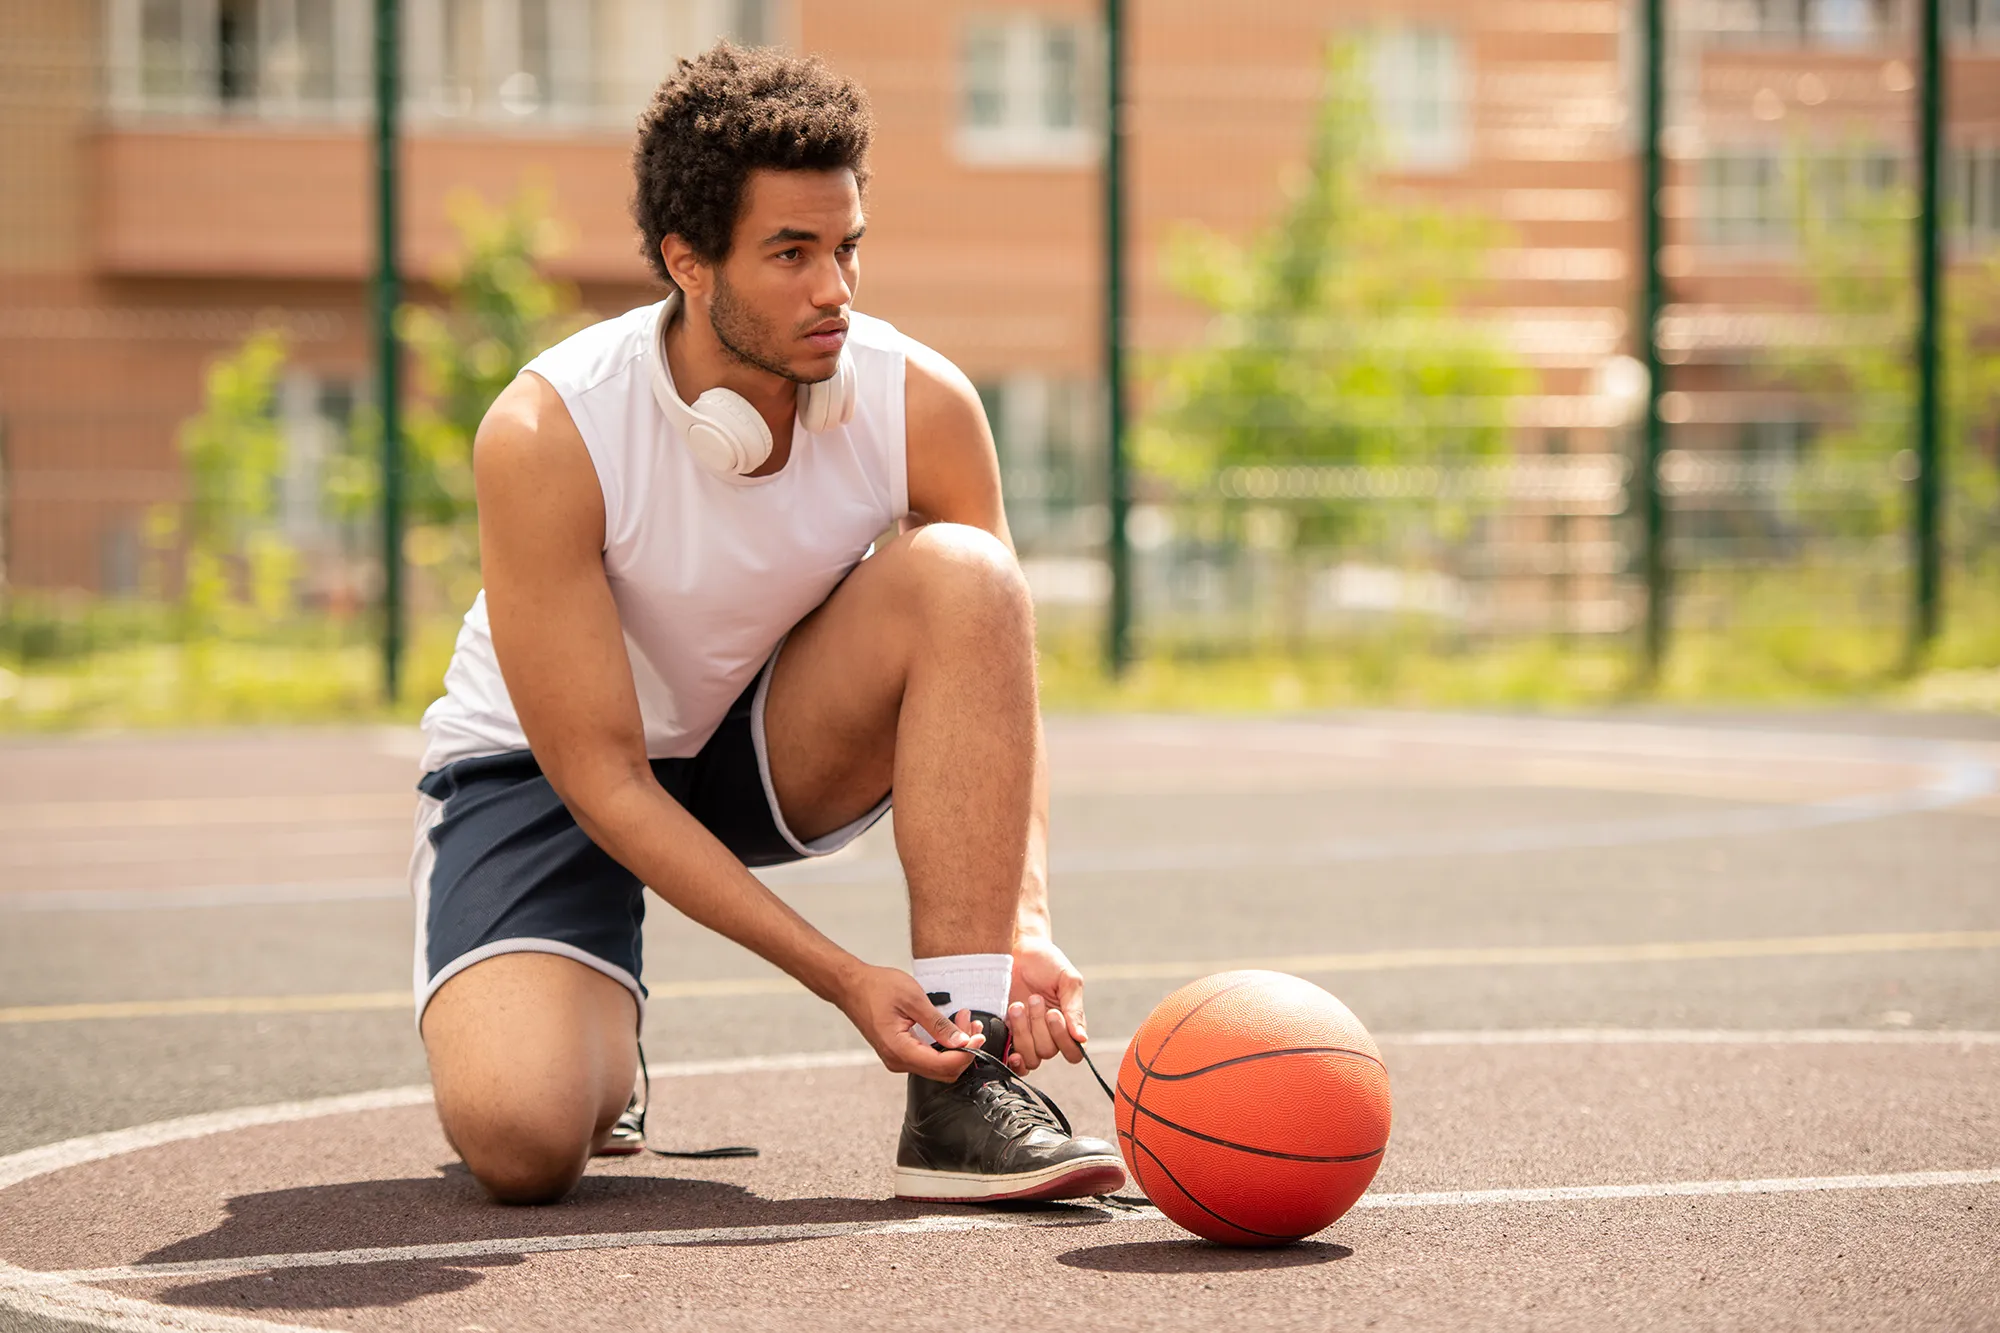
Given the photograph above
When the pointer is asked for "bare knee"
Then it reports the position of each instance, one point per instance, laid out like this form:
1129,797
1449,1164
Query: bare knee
531,1056
523,1154
965,578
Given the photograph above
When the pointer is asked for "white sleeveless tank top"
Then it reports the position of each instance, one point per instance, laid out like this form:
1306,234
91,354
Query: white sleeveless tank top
709,572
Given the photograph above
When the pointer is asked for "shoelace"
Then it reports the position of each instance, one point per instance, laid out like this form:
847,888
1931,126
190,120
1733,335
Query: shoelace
1038,1100
646,1079
1037,1105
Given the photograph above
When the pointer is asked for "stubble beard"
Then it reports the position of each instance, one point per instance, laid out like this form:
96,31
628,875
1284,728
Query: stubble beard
746,337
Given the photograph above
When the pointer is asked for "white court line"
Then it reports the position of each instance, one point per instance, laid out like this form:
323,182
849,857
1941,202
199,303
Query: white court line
1897,1180
211,895
1694,1037
1951,784
949,1223
64,1293
62,1296
32,1162
1957,776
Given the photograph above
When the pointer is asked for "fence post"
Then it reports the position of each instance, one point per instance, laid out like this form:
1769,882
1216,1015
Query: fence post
1652,298
387,296
1118,636
1926,516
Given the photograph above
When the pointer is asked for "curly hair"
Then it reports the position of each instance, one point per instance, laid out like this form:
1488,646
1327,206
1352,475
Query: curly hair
721,116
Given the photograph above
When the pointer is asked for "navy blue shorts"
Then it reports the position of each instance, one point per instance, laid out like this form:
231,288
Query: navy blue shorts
500,866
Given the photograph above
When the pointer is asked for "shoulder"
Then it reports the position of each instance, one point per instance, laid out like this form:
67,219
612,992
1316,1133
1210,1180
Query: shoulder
939,402
528,457
954,471
937,396
928,371
597,353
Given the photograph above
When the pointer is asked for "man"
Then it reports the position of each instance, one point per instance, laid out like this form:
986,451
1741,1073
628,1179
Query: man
681,665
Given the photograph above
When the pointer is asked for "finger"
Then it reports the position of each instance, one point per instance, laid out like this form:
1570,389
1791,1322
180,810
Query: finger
930,1063
1022,1058
1038,1024
943,1031
1065,1043
1069,998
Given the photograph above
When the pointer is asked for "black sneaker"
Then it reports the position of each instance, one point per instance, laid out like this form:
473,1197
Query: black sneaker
628,1135
989,1136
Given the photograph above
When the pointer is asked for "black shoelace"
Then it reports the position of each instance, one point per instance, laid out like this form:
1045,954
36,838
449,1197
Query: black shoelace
1036,1098
646,1101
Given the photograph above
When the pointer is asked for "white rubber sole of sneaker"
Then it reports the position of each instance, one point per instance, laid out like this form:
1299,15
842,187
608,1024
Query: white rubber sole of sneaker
1071,1180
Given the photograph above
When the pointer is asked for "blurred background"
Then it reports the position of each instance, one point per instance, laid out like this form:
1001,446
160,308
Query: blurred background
1382,269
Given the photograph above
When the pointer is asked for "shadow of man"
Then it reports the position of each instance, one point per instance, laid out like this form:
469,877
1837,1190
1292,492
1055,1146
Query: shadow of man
335,1225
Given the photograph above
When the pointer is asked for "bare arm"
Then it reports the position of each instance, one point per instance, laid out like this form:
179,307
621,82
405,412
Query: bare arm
562,653
955,478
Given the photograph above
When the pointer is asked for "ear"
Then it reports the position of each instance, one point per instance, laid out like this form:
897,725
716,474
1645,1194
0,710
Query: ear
687,270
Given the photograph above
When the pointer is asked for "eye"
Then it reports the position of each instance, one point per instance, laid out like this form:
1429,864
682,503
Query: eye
847,248
787,255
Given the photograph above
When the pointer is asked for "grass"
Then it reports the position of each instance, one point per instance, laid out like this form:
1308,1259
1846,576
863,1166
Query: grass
125,671
86,666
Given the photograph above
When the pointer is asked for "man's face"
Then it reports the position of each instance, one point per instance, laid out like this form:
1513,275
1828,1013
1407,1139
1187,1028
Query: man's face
780,301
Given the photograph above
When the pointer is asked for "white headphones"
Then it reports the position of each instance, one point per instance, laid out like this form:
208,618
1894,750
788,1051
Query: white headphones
722,429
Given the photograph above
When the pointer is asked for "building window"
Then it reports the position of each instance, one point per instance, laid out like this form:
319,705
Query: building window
1744,200
752,23
1049,433
1420,104
1845,187
1027,91
1823,23
485,60
1972,195
315,414
274,59
1975,22
1752,196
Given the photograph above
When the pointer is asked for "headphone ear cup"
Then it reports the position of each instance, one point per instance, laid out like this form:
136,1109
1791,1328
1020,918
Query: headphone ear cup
711,447
736,436
830,402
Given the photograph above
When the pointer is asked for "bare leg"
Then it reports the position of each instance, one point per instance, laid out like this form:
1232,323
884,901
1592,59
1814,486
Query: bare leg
919,673
920,670
532,1056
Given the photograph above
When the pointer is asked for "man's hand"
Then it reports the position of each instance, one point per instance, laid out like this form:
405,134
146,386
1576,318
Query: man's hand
884,1003
1045,1010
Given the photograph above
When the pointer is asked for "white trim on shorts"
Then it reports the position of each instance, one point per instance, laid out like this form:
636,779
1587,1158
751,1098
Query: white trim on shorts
423,863
529,944
833,841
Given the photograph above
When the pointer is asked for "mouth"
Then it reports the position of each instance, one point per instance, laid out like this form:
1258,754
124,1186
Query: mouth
828,335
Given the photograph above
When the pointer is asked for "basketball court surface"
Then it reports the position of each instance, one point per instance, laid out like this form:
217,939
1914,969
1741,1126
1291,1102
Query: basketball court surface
1690,1022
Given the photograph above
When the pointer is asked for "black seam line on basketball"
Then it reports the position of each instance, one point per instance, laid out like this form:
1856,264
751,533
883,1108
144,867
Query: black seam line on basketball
1244,1147
1258,1055
1162,1050
1188,1194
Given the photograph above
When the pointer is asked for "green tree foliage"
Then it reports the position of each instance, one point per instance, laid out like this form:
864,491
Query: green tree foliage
499,310
1336,336
235,558
1857,259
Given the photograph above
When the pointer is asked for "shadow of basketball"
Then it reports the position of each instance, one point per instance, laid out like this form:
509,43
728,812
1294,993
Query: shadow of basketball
1198,1256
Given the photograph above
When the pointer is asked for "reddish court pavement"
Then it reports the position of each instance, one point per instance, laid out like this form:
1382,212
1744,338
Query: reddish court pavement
1690,1023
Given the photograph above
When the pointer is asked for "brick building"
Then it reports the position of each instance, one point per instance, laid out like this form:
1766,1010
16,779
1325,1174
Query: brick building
173,172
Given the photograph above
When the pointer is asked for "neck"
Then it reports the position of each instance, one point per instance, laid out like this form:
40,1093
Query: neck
699,362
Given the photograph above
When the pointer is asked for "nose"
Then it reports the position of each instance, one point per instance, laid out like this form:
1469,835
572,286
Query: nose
832,290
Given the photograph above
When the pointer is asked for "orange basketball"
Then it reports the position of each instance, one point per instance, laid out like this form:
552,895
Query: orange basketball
1253,1108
